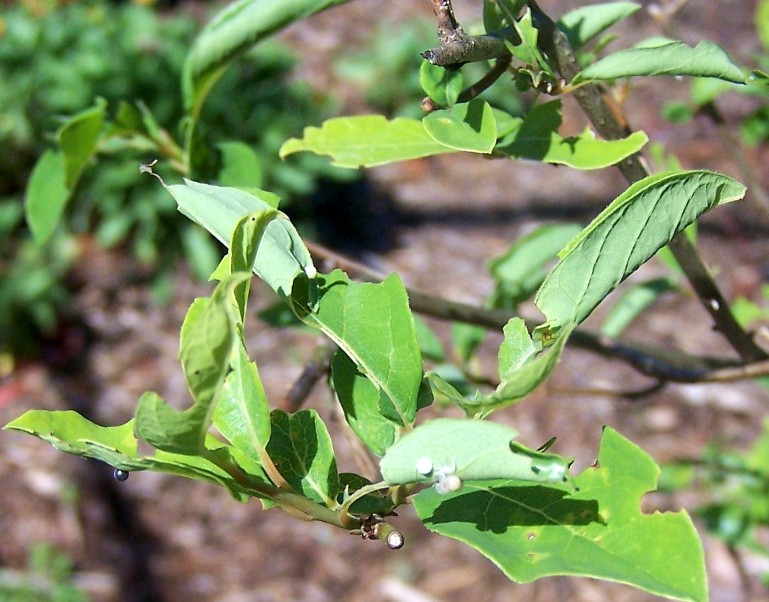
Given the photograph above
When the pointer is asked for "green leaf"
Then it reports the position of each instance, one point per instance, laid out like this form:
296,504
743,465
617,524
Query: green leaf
366,141
671,58
521,269
626,234
207,339
632,303
467,127
597,531
47,195
586,22
470,450
242,414
429,343
301,448
78,138
69,432
524,364
281,256
536,137
762,23
441,85
373,325
240,166
527,51
361,403
235,29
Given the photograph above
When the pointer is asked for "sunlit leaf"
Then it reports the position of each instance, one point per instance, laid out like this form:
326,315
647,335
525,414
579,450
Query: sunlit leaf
240,165
470,450
596,531
77,140
537,138
442,85
366,141
467,127
632,303
47,195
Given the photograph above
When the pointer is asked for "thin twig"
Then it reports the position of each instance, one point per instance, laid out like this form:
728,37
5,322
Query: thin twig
655,362
314,369
612,126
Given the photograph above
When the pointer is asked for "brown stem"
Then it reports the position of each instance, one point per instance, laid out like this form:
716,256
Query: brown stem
314,369
661,364
610,123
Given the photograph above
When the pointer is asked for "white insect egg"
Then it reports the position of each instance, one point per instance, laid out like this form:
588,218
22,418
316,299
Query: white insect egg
424,466
447,484
310,271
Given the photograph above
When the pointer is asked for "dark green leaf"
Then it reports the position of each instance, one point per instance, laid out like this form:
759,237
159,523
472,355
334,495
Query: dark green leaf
47,195
536,137
626,234
301,448
373,325
467,127
361,403
586,22
597,531
670,58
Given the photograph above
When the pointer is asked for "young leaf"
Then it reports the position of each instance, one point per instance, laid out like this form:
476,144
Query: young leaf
47,195
366,141
470,450
536,137
77,140
626,234
233,31
524,364
69,432
281,256
671,58
441,85
361,403
596,531
467,127
586,22
373,325
207,339
301,448
521,269
242,414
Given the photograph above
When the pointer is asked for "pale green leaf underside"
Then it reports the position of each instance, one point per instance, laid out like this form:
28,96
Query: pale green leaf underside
281,255
673,58
596,531
586,22
536,138
46,196
117,446
469,449
626,234
366,141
